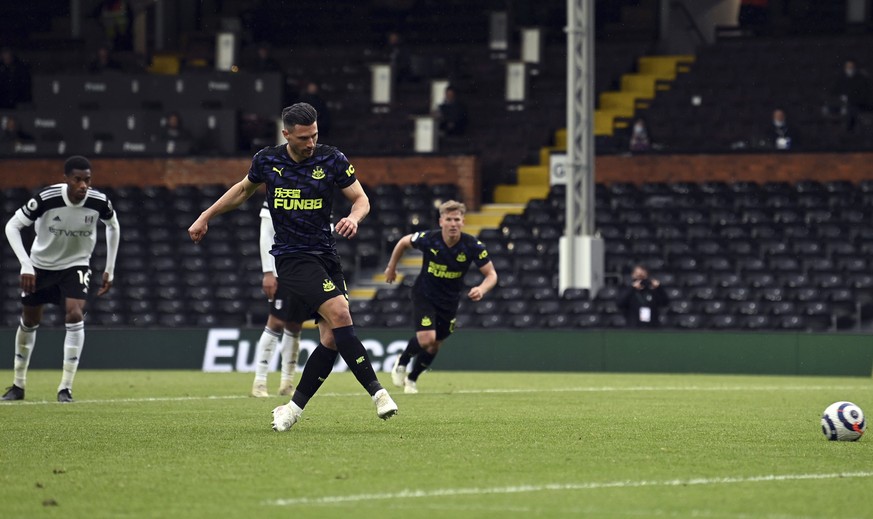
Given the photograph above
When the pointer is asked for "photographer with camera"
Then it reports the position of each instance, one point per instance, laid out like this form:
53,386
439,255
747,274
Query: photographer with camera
642,300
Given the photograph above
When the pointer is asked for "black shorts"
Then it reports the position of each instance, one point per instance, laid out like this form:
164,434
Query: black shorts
305,282
428,316
54,286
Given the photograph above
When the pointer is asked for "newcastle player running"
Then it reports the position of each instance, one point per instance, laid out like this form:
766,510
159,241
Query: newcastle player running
57,270
448,254
301,178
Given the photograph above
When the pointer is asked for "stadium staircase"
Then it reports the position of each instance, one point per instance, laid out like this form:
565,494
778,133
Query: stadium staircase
655,73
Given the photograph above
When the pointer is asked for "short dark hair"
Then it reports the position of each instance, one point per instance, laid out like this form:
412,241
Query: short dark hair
298,113
76,162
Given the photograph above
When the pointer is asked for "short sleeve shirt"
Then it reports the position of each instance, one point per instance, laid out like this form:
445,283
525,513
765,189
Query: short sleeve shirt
300,196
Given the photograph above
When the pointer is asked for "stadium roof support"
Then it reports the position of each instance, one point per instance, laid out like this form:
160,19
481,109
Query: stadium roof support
581,253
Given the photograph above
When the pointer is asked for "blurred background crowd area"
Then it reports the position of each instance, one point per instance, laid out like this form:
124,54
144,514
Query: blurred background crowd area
124,77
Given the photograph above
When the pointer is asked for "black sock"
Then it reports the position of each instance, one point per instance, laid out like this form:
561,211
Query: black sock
318,367
355,355
412,349
422,362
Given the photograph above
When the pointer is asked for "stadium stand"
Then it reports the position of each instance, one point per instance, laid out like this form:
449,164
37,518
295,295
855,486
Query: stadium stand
810,276
733,256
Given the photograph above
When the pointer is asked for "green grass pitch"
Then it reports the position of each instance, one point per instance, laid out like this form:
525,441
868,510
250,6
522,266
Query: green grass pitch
490,445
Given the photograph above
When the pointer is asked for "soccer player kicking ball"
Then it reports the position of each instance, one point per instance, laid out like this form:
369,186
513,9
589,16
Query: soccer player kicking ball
57,270
448,254
301,178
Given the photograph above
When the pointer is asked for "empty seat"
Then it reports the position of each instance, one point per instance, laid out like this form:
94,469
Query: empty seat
572,294
688,321
587,321
724,322
756,322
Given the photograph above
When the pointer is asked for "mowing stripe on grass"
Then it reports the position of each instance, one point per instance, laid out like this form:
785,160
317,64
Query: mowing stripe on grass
605,389
559,487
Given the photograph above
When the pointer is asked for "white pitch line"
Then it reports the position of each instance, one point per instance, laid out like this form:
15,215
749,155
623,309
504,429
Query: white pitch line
558,487
611,389
592,389
132,400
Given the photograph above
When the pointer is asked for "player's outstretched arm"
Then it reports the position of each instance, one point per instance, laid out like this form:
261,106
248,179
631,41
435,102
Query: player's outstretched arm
391,270
348,227
478,292
233,198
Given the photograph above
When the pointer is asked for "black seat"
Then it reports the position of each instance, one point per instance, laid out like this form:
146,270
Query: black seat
547,307
509,293
738,293
782,308
681,306
587,321
760,279
727,279
715,306
516,307
607,293
400,320
524,321
756,322
693,279
574,294
703,293
724,322
688,321
558,321
488,306
542,293
492,321
580,306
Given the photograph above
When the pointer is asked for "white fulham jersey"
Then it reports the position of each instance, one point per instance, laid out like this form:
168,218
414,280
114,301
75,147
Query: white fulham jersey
66,233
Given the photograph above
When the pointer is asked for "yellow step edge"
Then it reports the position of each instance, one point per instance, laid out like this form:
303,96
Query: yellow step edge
362,293
533,176
622,102
519,194
664,67
482,220
474,229
504,208
545,153
380,278
410,261
643,85
603,122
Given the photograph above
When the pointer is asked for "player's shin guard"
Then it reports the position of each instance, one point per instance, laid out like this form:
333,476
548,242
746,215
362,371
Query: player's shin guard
290,352
73,342
263,354
422,362
355,355
413,348
25,339
317,369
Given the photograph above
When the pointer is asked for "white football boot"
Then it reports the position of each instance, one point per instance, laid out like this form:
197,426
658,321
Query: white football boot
410,387
285,416
385,407
398,373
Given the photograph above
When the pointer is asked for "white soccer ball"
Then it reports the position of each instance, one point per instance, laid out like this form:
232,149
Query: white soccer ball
843,421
